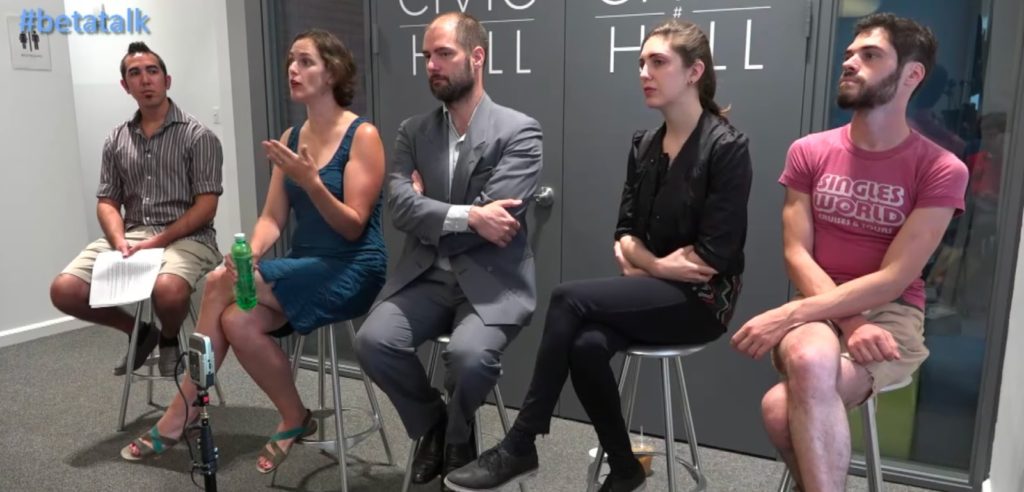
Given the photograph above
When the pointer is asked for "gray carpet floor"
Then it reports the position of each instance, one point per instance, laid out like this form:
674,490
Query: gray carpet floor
59,406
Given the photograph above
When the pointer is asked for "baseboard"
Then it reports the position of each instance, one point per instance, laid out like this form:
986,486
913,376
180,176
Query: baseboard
42,329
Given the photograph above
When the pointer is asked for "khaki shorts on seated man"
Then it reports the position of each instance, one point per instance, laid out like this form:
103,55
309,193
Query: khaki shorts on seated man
164,168
866,206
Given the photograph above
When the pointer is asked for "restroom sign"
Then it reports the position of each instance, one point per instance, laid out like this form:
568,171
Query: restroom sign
30,50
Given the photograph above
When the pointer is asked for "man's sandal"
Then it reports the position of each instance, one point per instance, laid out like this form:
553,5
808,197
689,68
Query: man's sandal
275,455
149,444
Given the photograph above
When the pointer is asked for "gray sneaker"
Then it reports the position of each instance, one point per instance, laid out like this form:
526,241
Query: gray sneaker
169,360
148,338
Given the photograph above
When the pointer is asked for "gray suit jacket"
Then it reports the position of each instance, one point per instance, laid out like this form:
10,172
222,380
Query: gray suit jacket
500,158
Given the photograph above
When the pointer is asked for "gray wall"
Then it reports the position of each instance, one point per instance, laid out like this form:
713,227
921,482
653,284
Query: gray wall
524,71
757,52
585,91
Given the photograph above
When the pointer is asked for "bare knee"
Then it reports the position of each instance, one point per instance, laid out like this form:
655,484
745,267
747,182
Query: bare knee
69,293
240,327
776,416
810,368
171,294
233,324
219,284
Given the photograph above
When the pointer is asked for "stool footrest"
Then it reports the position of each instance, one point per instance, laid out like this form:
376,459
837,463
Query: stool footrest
701,482
146,377
351,441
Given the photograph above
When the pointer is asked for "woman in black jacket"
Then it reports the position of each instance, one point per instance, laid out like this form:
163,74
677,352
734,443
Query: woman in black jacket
679,244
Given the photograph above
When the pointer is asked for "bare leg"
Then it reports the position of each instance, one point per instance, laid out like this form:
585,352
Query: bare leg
170,303
775,413
217,296
70,295
819,386
264,359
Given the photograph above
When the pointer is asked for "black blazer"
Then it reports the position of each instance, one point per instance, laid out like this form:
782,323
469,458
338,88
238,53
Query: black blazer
700,199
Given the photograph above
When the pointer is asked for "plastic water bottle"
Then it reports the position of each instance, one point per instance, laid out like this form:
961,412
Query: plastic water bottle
245,286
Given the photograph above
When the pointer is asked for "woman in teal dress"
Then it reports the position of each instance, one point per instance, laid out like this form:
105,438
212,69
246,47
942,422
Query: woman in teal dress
328,171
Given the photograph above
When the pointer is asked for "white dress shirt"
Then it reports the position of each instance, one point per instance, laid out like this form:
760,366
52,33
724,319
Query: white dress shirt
457,219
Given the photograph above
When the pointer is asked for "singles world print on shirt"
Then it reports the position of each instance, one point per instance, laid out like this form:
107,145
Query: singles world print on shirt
860,203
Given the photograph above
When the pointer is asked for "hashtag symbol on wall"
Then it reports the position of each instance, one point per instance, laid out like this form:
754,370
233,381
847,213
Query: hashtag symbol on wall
678,12
28,20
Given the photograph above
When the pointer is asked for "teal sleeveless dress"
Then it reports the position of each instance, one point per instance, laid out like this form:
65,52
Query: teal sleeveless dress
326,278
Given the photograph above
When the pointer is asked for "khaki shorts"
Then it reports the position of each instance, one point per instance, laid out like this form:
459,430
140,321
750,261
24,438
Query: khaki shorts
906,324
184,258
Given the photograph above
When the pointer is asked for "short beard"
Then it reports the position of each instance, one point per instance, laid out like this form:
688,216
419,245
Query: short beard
871,97
457,88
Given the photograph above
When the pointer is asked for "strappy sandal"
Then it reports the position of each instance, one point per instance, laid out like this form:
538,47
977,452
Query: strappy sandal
155,446
275,455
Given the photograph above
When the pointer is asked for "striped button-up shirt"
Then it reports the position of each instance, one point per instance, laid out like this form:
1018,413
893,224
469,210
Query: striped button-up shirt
156,179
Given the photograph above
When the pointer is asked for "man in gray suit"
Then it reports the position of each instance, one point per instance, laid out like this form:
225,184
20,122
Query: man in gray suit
458,184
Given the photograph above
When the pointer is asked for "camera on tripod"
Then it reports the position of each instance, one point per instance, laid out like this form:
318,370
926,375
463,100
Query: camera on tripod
200,360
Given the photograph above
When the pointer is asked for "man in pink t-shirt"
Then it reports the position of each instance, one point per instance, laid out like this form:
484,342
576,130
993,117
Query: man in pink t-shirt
866,206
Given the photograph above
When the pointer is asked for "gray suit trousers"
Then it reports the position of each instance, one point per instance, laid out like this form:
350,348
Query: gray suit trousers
431,306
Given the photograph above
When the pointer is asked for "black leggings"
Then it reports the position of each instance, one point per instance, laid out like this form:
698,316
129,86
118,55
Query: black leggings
588,322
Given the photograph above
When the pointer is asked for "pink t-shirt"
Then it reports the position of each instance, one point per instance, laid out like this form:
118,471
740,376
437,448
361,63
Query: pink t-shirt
861,199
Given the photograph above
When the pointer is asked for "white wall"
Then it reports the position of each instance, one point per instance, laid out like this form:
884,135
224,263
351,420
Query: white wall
53,147
43,219
1006,474
191,37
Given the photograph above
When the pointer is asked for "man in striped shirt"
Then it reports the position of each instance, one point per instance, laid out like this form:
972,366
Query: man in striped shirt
164,167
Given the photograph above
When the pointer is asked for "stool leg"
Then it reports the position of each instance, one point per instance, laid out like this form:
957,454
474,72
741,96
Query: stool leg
503,415
631,399
372,396
149,387
339,428
872,458
128,373
149,382
432,364
599,457
478,430
691,433
407,480
182,349
182,341
296,355
182,332
321,341
670,436
787,479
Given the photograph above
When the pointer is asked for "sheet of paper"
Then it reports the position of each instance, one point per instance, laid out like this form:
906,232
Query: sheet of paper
117,280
